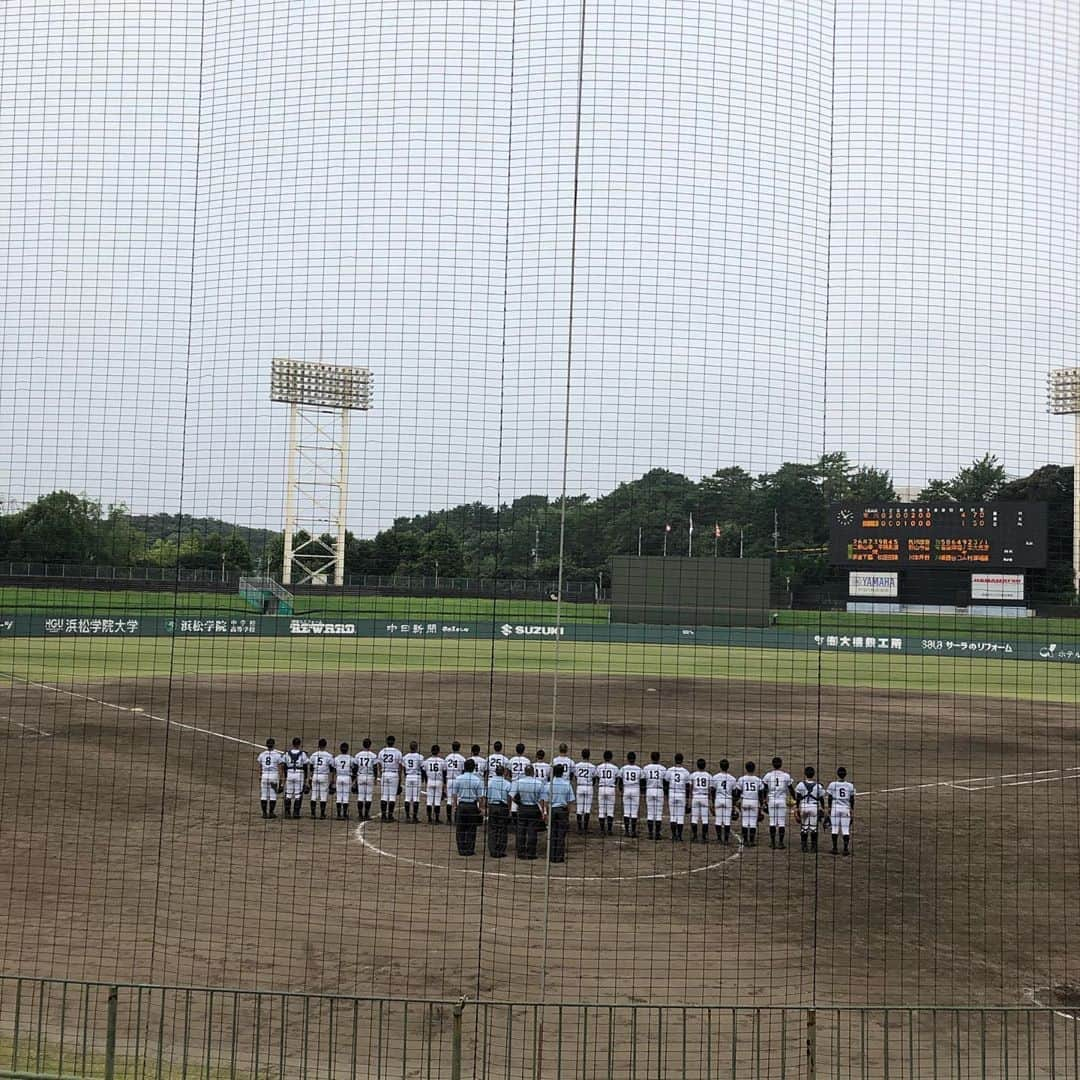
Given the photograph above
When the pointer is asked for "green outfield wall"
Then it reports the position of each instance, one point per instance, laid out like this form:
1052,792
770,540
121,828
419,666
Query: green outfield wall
867,643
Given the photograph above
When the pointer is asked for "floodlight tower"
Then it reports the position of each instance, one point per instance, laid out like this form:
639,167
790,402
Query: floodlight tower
1063,399
320,398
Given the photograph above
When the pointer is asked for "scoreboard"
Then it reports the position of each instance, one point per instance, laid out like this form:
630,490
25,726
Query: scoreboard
938,535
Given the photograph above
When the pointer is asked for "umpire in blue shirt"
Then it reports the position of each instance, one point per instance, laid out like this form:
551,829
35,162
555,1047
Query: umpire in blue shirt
467,799
498,813
526,791
555,801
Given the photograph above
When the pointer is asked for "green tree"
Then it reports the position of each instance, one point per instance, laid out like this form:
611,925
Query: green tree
980,481
60,527
870,485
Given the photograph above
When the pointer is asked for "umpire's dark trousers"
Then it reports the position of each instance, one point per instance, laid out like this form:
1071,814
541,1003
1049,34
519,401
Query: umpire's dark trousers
497,828
527,826
559,819
468,817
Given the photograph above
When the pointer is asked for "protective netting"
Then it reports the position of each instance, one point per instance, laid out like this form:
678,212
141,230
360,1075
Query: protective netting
679,290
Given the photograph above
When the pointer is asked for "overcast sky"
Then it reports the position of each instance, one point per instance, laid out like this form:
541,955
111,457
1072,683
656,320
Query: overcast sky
785,244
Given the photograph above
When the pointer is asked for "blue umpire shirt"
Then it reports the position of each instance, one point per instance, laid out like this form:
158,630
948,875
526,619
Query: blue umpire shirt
468,787
558,793
528,790
498,790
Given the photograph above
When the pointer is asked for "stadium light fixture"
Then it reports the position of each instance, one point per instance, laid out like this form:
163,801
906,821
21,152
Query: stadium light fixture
321,398
1063,399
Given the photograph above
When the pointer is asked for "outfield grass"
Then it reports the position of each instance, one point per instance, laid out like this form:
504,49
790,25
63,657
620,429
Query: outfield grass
50,660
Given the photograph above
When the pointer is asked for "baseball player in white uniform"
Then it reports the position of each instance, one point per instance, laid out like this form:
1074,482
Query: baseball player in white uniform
480,761
389,778
271,778
607,775
584,777
496,758
676,779
841,793
563,758
541,766
344,770
700,785
517,766
653,774
367,765
809,797
779,786
750,790
723,784
455,766
413,765
296,767
630,783
435,772
322,764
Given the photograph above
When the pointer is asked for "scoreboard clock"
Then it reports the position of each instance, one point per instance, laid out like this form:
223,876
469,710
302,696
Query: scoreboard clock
942,535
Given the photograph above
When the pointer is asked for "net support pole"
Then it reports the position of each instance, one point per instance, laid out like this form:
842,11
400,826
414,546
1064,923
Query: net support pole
291,455
342,496
1076,508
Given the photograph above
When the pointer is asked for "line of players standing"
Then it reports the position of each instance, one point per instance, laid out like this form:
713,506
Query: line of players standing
750,798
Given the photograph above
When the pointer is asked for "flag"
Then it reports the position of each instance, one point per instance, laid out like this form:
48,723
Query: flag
667,528
691,524
716,530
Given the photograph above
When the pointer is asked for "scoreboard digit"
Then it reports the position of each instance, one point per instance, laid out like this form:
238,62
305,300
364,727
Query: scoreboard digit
938,535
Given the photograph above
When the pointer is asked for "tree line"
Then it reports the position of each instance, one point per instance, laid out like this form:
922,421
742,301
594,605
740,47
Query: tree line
779,514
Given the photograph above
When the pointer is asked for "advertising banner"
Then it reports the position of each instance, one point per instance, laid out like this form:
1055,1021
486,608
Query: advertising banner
862,583
997,586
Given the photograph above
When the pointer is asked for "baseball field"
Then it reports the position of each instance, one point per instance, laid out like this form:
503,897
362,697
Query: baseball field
130,814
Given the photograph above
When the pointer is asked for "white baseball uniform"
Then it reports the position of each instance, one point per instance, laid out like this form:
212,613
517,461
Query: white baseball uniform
567,764
809,795
606,774
842,793
365,775
296,762
751,789
322,761
495,760
584,774
778,783
269,774
654,774
700,782
434,770
413,764
454,767
678,776
481,765
630,775
723,799
517,765
343,764
389,773
542,770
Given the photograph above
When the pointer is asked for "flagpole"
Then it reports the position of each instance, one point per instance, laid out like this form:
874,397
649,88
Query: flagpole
665,543
639,531
690,541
